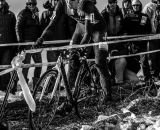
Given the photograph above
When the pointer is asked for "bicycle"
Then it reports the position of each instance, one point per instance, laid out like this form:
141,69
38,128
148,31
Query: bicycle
16,71
50,98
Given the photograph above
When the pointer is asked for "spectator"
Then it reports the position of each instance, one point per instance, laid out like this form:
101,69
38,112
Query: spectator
154,57
134,23
28,30
149,9
7,35
114,18
90,24
114,21
49,5
63,30
126,7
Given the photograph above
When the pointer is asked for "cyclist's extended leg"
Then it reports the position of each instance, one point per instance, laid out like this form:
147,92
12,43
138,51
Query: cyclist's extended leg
102,66
120,65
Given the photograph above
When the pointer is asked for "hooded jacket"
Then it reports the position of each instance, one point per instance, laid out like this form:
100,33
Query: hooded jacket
7,25
113,21
27,26
61,26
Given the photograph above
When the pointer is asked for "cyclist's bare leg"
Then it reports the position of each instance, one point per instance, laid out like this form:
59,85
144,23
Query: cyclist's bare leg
131,76
120,65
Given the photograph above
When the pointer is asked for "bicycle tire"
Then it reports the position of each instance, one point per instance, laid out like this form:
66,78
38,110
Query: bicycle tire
45,106
90,92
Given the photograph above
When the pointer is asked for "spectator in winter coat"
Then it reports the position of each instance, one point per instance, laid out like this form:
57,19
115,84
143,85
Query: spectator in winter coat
63,30
46,16
154,45
112,14
7,35
28,30
114,18
45,19
149,9
134,23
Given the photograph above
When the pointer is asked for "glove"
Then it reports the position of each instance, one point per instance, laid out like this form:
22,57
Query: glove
39,41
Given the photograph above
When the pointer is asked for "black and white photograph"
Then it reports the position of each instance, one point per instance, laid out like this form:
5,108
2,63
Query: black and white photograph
79,64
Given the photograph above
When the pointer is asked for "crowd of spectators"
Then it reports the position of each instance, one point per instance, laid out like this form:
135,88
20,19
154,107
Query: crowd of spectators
68,19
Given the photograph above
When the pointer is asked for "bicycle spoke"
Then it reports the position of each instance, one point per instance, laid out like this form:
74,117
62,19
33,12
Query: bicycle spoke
90,90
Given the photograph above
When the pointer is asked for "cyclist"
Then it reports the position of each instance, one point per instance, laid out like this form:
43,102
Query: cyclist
90,25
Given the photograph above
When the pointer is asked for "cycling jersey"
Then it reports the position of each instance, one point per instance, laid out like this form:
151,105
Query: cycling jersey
87,15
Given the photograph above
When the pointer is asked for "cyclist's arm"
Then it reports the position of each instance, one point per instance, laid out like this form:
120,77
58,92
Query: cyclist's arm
42,20
76,36
87,34
89,9
59,11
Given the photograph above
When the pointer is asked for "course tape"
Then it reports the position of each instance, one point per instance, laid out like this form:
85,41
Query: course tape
151,37
67,41
9,69
145,38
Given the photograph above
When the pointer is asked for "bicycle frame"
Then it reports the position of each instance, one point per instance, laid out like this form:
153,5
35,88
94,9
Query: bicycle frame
72,97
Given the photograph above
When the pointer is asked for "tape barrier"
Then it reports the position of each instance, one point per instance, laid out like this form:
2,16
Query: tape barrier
33,43
145,38
8,69
131,55
67,41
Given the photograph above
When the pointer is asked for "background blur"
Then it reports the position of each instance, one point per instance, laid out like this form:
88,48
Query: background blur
17,5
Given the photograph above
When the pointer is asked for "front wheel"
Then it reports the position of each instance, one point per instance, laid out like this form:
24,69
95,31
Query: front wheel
90,92
46,101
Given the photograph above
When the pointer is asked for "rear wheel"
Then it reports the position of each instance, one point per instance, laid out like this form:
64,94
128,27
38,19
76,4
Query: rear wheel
46,104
